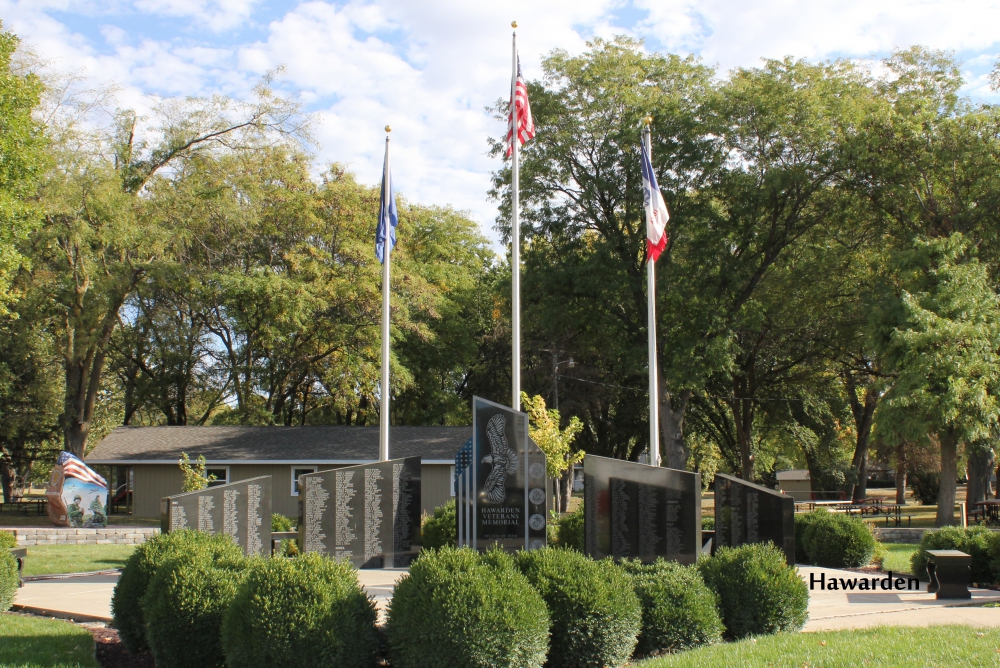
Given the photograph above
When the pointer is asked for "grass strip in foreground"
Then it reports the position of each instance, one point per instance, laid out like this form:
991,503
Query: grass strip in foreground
885,647
37,642
52,559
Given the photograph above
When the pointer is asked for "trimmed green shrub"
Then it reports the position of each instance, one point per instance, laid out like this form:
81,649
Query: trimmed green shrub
596,614
839,541
459,609
308,612
925,487
708,523
7,540
184,606
440,530
9,579
279,522
141,566
570,530
678,609
802,523
977,541
758,593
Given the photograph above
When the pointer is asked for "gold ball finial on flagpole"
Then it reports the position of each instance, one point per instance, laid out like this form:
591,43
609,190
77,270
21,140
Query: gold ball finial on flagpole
388,129
513,24
648,120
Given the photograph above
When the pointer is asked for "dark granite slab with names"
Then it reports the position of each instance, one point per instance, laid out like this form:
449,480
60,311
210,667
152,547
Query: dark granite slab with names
637,511
749,513
241,509
500,482
368,514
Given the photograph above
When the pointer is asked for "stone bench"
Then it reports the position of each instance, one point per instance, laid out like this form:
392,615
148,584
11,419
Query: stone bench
949,571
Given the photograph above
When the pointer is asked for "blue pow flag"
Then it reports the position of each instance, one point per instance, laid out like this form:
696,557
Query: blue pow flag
388,218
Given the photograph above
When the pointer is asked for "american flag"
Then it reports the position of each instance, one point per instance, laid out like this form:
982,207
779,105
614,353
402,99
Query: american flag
519,103
462,459
73,467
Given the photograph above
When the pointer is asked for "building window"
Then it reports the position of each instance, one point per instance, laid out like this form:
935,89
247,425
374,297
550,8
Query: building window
451,474
296,472
221,474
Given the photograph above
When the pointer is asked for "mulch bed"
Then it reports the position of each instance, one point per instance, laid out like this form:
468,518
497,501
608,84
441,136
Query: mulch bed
111,652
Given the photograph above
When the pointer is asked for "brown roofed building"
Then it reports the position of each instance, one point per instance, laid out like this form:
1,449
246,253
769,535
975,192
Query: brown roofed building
148,456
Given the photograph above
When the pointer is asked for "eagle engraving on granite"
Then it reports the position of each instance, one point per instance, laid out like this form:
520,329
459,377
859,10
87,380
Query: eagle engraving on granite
501,457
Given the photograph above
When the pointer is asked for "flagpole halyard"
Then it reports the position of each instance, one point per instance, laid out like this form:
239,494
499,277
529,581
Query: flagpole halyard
654,390
383,450
515,238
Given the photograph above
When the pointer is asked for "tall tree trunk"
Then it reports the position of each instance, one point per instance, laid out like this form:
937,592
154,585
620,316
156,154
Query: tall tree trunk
980,469
743,414
6,477
861,489
566,489
672,410
949,474
863,412
901,473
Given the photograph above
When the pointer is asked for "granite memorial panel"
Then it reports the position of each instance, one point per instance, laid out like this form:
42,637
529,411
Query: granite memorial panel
637,511
367,514
500,482
749,513
241,509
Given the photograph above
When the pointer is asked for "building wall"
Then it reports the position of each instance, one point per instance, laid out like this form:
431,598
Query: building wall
152,482
800,490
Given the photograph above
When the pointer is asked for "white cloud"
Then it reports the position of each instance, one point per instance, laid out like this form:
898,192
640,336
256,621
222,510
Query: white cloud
430,68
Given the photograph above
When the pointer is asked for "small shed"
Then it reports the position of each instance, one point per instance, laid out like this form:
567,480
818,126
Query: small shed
796,484
147,458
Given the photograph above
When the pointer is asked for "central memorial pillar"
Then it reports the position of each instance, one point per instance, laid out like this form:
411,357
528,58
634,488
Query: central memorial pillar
500,482
638,511
368,514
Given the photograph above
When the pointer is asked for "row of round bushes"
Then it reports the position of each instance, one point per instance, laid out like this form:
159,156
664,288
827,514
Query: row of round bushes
833,540
9,577
978,541
193,600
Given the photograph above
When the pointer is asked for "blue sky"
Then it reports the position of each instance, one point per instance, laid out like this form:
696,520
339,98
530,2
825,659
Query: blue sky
429,68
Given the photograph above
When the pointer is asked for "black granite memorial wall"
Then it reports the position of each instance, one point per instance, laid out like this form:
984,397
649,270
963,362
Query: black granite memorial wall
368,514
637,511
241,509
749,513
500,482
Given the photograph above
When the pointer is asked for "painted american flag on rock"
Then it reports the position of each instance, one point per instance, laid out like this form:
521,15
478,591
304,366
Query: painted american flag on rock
520,110
73,467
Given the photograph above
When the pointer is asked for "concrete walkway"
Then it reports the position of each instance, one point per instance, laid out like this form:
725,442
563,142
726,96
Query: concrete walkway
837,609
88,598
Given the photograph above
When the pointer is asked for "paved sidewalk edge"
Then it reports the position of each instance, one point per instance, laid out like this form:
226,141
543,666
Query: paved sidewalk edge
60,614
65,576
964,604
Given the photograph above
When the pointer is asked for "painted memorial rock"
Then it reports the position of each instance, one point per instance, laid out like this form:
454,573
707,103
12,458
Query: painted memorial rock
241,509
638,511
368,514
76,495
749,513
500,482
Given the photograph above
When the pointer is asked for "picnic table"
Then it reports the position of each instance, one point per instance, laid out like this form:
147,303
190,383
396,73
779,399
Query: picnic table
25,505
991,510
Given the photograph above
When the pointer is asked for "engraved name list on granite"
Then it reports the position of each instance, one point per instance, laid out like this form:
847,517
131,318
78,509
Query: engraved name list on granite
240,509
749,513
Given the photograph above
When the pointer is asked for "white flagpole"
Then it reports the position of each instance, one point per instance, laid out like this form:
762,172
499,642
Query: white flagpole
383,448
654,388
515,239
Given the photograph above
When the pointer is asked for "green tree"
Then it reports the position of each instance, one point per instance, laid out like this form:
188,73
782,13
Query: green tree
545,429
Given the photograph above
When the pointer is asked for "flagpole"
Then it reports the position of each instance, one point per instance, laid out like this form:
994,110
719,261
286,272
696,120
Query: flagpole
383,449
654,388
515,239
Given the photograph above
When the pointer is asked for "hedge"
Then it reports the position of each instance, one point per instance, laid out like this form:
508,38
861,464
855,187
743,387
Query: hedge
596,614
440,530
570,530
184,606
678,609
758,593
802,523
7,540
977,541
839,541
279,522
460,609
141,566
308,612
9,579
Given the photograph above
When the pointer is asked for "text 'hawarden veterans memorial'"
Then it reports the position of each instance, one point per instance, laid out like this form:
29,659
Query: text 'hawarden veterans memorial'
749,513
241,509
638,511
368,514
500,482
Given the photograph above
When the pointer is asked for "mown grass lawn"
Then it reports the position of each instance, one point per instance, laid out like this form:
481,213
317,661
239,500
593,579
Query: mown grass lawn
898,559
51,559
36,642
884,647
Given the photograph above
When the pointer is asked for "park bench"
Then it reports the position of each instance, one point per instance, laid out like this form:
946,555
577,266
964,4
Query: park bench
949,572
20,554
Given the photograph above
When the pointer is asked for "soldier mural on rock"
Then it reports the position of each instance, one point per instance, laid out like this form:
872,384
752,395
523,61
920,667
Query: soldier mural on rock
77,496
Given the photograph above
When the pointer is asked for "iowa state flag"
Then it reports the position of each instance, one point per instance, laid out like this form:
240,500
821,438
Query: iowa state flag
656,210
